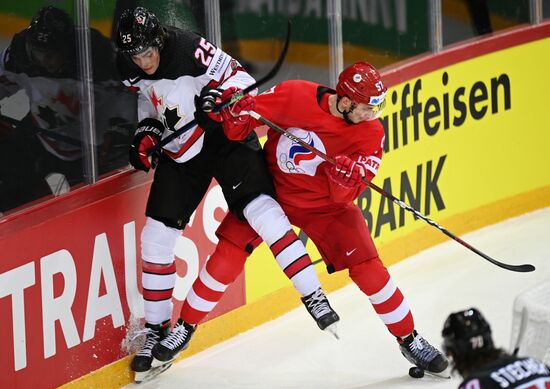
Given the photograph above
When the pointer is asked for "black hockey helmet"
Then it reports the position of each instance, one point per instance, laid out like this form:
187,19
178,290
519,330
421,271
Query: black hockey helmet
466,332
138,30
51,32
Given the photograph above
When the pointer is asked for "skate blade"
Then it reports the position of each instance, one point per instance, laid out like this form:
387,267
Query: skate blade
146,376
158,363
333,329
444,374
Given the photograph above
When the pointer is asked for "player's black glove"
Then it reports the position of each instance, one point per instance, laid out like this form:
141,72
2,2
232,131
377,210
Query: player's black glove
204,105
147,136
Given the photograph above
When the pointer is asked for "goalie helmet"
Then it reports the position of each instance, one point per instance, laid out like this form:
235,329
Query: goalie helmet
362,83
138,30
466,332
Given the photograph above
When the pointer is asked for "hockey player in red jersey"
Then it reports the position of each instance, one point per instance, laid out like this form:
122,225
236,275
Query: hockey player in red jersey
318,197
177,74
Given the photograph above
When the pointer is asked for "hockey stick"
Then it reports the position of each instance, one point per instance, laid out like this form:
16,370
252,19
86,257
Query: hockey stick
236,97
516,268
41,131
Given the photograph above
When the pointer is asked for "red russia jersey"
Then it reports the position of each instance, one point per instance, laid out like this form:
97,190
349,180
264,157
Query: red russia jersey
299,175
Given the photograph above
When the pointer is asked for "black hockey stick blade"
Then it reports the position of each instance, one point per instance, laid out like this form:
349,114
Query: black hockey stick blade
517,268
525,268
234,98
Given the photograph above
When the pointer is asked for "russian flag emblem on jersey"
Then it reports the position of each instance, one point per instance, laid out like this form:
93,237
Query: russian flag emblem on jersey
295,158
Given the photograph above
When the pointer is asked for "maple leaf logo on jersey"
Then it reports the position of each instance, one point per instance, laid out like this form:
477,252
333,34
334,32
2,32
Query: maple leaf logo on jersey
155,100
295,158
171,118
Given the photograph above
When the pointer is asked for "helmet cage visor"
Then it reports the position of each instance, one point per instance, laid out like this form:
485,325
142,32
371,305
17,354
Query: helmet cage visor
370,110
376,110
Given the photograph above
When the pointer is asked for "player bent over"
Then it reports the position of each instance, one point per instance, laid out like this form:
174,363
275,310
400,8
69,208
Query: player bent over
318,197
468,341
174,71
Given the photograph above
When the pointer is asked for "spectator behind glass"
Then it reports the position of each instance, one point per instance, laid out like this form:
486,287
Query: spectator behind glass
40,129
468,343
480,16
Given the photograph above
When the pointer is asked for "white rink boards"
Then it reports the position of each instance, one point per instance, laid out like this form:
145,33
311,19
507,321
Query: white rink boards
291,352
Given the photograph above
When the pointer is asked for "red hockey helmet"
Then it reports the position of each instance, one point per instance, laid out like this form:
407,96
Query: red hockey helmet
362,83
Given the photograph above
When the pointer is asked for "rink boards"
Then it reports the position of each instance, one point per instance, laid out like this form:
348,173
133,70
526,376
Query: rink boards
466,144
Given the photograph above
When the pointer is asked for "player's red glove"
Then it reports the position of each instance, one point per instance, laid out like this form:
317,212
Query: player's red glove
147,136
236,120
346,171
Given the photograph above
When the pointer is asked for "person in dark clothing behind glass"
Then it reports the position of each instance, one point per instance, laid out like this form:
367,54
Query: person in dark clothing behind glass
479,15
41,106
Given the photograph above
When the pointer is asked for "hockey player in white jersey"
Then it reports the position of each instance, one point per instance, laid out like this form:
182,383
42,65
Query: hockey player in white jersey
175,71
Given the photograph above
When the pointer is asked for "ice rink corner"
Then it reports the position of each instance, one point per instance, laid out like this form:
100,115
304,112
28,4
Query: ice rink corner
290,352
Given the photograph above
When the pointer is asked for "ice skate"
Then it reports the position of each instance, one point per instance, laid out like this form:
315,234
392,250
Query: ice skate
177,340
141,364
420,353
148,375
319,308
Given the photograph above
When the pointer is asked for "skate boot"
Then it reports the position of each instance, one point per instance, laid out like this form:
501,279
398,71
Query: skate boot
177,340
420,353
141,364
319,308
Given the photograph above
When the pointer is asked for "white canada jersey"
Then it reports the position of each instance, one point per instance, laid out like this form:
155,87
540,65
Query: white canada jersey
188,63
52,100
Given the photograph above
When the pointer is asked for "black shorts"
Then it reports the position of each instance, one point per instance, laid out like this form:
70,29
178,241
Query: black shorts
238,167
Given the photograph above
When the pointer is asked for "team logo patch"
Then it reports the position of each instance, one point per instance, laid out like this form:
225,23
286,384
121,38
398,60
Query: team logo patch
140,19
295,158
234,64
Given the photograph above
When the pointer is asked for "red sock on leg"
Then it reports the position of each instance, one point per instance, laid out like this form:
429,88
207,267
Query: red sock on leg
223,267
373,279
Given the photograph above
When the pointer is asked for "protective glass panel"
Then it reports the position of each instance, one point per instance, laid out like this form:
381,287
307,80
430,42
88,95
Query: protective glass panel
253,31
115,107
186,14
464,19
384,32
39,102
